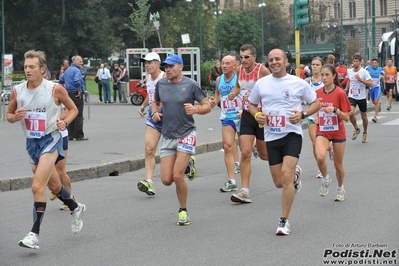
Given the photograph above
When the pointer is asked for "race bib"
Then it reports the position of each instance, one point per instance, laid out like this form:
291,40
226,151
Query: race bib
276,121
188,142
328,121
376,82
391,79
35,124
355,91
227,104
150,97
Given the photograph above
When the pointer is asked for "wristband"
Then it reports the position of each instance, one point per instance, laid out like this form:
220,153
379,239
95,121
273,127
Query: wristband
256,115
152,115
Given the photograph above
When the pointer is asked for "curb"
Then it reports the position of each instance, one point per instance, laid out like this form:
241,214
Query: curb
119,166
105,169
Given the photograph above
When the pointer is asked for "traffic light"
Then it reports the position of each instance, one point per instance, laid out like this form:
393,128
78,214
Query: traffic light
301,13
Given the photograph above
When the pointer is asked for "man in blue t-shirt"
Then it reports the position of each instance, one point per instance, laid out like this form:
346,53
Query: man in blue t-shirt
375,72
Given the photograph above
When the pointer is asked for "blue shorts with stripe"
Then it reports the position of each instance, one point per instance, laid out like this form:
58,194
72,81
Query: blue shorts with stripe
46,144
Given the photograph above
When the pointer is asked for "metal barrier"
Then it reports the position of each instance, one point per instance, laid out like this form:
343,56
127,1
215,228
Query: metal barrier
88,104
4,95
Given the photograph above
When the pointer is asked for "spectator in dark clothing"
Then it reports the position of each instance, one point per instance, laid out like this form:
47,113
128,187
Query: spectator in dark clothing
216,71
73,82
116,72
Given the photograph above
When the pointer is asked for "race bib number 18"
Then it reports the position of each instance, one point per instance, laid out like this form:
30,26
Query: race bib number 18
35,124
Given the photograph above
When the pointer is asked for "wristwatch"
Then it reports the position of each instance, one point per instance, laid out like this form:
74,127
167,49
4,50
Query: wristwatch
335,110
66,123
304,114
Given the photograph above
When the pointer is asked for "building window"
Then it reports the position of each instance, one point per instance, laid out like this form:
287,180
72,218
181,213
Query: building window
322,37
383,30
352,9
369,8
383,7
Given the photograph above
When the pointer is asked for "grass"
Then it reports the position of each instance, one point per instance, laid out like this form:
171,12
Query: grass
92,86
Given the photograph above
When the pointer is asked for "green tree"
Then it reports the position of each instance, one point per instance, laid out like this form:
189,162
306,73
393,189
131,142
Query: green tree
140,23
236,27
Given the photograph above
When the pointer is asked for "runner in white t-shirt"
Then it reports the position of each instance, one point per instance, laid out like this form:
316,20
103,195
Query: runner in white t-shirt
281,96
359,78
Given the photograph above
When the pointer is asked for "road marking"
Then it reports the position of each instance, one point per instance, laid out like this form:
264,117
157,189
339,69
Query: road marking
391,123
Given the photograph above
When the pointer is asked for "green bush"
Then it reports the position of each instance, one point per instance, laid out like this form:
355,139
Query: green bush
205,69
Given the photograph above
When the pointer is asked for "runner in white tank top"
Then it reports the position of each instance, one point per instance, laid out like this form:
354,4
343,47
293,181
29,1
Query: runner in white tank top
36,103
248,74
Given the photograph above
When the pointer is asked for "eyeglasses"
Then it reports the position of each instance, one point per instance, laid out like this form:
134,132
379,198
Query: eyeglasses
245,56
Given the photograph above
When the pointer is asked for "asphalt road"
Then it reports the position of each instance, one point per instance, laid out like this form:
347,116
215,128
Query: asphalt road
123,226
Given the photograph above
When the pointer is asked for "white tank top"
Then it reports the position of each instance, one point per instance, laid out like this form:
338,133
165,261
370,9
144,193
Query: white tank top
151,87
41,111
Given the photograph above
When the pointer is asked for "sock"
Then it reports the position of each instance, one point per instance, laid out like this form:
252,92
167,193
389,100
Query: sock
182,209
149,180
38,213
246,190
341,187
233,181
237,163
66,198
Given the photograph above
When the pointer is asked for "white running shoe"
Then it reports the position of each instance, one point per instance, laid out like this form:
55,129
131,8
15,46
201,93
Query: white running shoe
325,183
319,175
283,227
236,168
31,240
340,195
297,181
77,215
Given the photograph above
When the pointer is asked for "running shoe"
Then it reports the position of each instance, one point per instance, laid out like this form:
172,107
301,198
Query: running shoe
52,196
146,187
64,207
283,227
355,133
364,139
192,173
324,186
31,240
331,151
374,119
236,168
389,107
183,218
228,186
297,181
77,215
255,152
340,195
241,197
319,175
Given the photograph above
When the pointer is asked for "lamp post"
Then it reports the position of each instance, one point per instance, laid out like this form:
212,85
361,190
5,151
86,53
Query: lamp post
366,33
200,26
262,6
3,43
341,31
217,13
156,17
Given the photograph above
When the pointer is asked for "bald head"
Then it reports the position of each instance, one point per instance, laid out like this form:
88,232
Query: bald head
229,63
280,52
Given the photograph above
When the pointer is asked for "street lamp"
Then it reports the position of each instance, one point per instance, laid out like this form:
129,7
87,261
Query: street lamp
200,26
156,17
262,5
341,31
217,13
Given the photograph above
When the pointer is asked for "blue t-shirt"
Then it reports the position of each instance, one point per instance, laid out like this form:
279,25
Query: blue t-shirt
375,74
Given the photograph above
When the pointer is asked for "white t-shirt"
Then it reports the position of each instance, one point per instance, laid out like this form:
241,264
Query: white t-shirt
279,97
357,90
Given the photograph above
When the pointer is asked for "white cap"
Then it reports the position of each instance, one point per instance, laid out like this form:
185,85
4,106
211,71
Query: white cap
151,57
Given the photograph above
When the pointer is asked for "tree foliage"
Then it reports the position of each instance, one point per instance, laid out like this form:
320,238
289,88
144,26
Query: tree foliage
140,23
235,28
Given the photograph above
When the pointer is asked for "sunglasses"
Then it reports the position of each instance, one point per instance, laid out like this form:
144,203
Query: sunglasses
245,56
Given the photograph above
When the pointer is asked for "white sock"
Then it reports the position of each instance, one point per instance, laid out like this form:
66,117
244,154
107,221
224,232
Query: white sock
237,163
246,190
233,181
341,187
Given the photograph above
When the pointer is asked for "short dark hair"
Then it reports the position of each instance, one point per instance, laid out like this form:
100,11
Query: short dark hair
248,47
374,59
357,56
